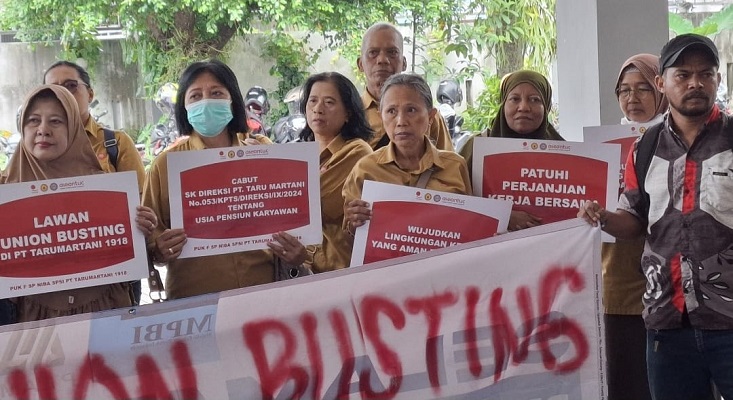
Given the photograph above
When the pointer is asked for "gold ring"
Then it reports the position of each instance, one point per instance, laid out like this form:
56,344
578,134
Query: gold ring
170,250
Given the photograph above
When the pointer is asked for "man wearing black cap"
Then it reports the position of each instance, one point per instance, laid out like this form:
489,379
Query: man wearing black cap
683,203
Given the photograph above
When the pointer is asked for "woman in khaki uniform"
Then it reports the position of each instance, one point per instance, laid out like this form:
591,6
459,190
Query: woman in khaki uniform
55,145
623,282
210,112
407,111
335,119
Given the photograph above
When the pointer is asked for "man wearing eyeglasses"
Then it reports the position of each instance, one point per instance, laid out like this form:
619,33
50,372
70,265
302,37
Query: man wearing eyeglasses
76,79
115,150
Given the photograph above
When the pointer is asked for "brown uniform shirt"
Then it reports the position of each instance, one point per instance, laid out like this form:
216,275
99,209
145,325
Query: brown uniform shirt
623,283
439,134
449,175
337,161
128,159
193,276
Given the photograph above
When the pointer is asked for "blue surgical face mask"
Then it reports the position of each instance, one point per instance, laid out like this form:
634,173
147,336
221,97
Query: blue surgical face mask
209,117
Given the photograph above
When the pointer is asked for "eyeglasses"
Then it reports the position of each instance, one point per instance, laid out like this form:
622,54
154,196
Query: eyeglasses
72,85
641,93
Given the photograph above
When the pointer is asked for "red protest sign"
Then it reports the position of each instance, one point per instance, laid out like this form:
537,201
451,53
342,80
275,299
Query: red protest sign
551,186
233,199
69,233
396,233
408,220
624,135
223,201
51,235
548,179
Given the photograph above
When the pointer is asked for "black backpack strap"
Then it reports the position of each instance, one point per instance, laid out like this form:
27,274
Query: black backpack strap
644,153
382,142
728,129
110,143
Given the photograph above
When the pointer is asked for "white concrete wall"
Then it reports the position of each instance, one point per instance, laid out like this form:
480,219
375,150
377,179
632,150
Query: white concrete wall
116,85
594,38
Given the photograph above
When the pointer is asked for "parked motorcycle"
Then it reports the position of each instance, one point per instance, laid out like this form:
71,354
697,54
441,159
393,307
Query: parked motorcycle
8,143
257,106
165,132
449,95
287,129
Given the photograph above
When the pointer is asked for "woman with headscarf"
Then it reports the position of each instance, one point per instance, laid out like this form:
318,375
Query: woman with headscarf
623,283
526,100
637,94
55,145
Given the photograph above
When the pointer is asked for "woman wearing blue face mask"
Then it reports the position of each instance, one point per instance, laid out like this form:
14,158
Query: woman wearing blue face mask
210,112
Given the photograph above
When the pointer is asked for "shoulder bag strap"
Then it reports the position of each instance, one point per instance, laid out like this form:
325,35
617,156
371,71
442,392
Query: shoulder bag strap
422,181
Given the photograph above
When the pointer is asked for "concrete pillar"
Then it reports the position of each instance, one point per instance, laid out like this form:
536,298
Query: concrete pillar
594,37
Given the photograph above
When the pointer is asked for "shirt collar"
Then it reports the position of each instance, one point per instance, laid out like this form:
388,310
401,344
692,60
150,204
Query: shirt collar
429,159
336,144
715,116
368,100
92,127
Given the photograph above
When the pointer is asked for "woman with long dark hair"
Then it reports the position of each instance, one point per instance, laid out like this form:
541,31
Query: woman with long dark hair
335,119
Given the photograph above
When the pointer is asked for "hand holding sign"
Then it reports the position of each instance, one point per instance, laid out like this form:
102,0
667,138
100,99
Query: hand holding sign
288,248
146,220
169,244
593,213
523,220
357,213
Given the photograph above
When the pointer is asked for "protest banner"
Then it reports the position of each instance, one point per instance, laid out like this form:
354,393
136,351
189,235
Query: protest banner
548,179
483,320
407,220
625,135
233,199
69,233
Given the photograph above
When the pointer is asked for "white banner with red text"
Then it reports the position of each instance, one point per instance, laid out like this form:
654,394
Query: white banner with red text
511,317
69,233
233,199
407,220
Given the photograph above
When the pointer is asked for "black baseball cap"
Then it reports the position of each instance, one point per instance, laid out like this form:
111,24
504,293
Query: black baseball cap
672,50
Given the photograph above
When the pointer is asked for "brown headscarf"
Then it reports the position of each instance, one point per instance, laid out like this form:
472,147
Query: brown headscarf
499,126
648,65
78,159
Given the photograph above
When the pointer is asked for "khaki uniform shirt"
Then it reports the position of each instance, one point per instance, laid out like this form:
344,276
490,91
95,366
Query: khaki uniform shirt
623,283
94,298
199,275
128,159
337,161
439,134
449,175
